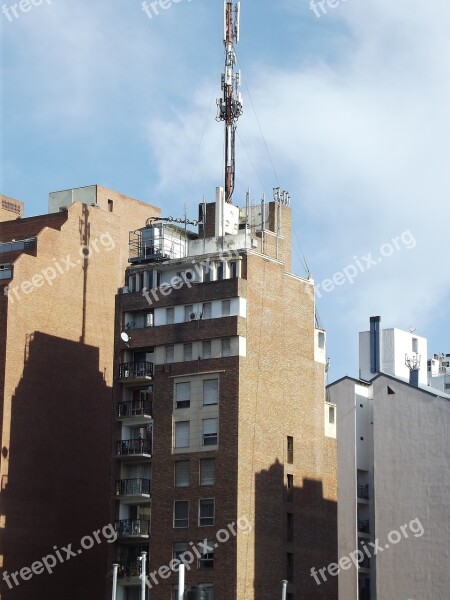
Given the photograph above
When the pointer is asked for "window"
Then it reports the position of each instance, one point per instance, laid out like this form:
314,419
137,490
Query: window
188,311
149,280
207,471
290,527
206,346
183,395
182,473
178,549
187,351
206,512
220,270
182,434
210,391
226,305
289,488
181,513
207,310
415,345
207,273
209,432
206,559
321,340
170,354
110,206
290,449
158,278
226,345
209,589
233,269
331,415
289,566
170,315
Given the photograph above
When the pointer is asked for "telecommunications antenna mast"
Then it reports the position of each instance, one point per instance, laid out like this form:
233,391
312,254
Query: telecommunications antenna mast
229,107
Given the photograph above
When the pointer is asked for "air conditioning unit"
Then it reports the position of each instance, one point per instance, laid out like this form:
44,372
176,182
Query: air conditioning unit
124,290
192,316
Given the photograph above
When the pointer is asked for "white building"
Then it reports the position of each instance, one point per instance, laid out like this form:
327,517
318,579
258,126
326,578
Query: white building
393,482
439,372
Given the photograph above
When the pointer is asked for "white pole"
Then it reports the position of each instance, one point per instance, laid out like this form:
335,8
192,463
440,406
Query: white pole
283,593
181,581
114,586
143,572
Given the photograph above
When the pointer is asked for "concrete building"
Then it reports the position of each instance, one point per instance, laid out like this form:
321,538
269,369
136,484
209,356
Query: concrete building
393,490
438,370
222,432
60,273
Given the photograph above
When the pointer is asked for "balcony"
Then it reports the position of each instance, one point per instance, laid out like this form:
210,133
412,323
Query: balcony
129,572
135,410
136,371
132,528
362,492
363,526
138,447
133,489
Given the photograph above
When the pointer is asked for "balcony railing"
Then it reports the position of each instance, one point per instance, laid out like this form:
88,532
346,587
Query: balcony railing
363,492
132,487
132,528
363,525
129,569
135,408
136,370
133,447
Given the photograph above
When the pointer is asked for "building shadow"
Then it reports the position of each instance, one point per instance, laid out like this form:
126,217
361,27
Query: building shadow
57,487
295,530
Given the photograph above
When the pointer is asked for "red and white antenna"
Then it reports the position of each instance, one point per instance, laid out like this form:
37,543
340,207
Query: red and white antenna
230,105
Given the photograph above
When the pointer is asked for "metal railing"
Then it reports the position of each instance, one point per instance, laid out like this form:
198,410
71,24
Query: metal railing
135,370
135,408
129,569
132,487
363,491
132,528
131,447
363,525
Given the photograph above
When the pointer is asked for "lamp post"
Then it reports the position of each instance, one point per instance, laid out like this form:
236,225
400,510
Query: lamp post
114,585
143,570
283,593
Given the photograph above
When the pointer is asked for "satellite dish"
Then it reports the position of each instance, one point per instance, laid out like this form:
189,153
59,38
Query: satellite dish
125,337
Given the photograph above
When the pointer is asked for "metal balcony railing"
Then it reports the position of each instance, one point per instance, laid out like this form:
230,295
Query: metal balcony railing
129,569
136,370
363,491
132,528
131,447
135,408
132,487
363,525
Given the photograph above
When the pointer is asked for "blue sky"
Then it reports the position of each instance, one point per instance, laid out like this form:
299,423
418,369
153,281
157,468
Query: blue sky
354,107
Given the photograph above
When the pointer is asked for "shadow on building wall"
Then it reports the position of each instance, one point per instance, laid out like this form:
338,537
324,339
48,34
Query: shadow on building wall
287,547
57,488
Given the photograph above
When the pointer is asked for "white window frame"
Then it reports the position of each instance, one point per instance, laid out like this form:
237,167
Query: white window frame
210,435
207,394
177,441
211,520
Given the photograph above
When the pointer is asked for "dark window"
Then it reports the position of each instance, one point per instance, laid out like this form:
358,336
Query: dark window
289,566
181,513
290,527
110,205
206,512
206,560
290,449
290,488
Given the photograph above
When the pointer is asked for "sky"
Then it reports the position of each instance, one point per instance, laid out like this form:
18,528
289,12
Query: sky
346,107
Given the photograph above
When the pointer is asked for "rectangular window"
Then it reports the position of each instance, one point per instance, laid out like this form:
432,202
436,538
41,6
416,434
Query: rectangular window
187,351
170,354
207,471
207,273
206,560
183,395
226,346
233,269
290,449
170,315
289,488
209,432
415,345
226,306
182,429
331,415
182,473
149,279
321,340
188,312
206,346
181,513
220,270
289,566
178,549
207,310
290,527
210,391
158,278
206,512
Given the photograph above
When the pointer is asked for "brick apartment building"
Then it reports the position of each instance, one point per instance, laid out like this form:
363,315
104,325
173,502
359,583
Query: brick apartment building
220,413
59,274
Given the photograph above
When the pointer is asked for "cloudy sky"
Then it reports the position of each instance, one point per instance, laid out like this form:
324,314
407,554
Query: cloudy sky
349,111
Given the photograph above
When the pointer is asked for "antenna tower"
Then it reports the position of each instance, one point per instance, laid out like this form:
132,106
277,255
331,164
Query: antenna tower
229,107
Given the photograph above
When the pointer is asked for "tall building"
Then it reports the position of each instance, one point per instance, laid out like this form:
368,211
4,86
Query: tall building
60,273
222,432
393,473
10,209
438,369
